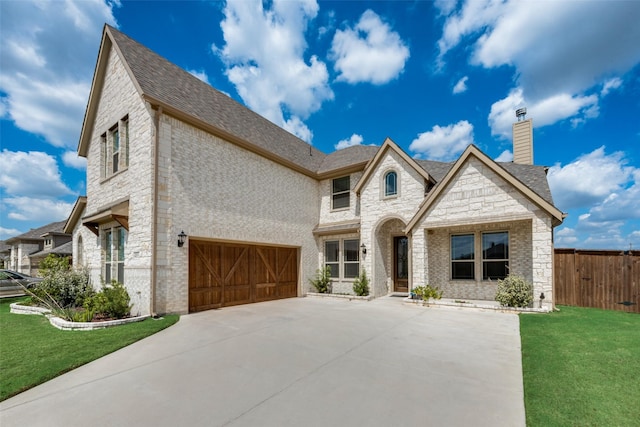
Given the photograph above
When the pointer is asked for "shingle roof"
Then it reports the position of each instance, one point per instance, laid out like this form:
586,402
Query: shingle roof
36,233
64,249
534,177
347,157
166,82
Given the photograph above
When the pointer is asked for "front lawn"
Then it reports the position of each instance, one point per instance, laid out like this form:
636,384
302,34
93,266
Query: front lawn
32,351
581,367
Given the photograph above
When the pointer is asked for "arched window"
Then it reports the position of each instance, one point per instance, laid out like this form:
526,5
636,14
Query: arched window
390,184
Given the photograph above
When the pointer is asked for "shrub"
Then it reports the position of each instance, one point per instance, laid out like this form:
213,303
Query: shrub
427,291
514,291
66,286
112,302
361,284
322,281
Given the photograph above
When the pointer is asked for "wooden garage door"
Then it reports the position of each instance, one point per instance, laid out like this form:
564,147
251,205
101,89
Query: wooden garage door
225,274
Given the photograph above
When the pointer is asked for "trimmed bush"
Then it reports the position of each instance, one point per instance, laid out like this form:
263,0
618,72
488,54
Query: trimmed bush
514,291
427,291
66,286
361,284
111,302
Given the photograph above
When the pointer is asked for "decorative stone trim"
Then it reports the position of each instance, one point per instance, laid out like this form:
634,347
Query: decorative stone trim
339,296
66,325
476,305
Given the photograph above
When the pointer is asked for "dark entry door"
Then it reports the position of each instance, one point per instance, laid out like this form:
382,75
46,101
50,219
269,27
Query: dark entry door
401,264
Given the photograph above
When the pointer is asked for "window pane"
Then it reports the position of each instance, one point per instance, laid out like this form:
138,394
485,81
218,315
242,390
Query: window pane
107,272
390,187
122,234
335,269
331,251
495,270
462,270
341,184
116,140
462,247
340,200
495,245
121,272
107,245
126,141
351,250
351,270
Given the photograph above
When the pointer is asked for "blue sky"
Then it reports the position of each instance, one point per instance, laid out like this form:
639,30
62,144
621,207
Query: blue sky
432,75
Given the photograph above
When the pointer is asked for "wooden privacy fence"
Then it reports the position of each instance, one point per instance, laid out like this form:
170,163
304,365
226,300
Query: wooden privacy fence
598,278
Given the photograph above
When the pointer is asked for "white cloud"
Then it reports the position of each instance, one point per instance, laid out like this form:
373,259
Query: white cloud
31,174
6,233
48,51
443,143
558,61
544,112
610,85
264,59
200,75
369,52
72,160
592,179
295,126
355,139
461,86
505,156
37,209
565,237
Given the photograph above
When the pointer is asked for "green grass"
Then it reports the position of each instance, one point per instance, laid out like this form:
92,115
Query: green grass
32,351
581,367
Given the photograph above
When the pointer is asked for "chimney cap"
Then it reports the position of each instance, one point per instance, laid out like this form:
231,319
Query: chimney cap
521,112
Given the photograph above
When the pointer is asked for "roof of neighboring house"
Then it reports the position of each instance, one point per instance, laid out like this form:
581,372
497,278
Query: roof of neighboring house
4,247
163,81
64,249
37,233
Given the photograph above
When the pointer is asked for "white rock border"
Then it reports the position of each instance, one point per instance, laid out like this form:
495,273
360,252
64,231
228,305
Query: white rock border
66,325
339,296
445,303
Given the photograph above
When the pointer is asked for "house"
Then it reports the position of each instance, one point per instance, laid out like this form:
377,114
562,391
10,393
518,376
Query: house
25,251
195,202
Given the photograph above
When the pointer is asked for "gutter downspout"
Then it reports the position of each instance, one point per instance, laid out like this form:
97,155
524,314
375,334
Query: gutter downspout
154,213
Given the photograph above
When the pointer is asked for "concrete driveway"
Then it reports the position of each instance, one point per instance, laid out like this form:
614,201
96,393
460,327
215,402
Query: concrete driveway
298,362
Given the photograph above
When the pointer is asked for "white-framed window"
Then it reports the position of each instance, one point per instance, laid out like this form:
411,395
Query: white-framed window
114,144
494,259
342,256
114,242
495,255
390,184
340,192
463,257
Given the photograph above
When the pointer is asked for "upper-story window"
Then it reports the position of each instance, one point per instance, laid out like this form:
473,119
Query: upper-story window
390,184
340,192
115,148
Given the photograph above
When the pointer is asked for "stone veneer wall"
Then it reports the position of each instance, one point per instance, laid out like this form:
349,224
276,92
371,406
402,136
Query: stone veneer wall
118,99
213,189
376,210
479,199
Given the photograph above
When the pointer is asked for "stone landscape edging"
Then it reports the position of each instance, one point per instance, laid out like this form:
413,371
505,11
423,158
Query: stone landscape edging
340,296
66,325
440,303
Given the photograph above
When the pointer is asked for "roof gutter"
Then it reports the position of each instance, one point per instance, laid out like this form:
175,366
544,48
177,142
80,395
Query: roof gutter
154,213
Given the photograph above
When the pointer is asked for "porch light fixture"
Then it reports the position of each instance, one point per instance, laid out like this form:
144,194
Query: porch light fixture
181,238
363,248
541,298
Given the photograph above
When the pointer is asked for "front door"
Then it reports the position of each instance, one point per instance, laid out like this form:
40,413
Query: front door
400,264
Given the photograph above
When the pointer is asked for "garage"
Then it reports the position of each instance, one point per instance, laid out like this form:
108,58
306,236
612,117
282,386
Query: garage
223,274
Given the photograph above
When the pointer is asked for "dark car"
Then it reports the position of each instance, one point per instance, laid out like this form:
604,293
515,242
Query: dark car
12,282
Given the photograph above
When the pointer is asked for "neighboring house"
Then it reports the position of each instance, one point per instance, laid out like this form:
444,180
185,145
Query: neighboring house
5,254
26,250
261,210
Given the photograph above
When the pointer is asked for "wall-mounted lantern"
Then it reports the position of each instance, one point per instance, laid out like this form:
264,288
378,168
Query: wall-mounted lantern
181,239
363,248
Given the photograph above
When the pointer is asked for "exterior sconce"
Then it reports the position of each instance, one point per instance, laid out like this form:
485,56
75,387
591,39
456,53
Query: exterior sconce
181,238
363,248
541,298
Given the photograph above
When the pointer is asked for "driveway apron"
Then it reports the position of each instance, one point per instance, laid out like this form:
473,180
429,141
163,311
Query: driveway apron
294,362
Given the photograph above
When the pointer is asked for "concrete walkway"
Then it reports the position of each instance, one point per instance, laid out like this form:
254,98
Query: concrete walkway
298,362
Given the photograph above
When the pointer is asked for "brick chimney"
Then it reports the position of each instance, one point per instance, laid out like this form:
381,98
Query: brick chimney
523,139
